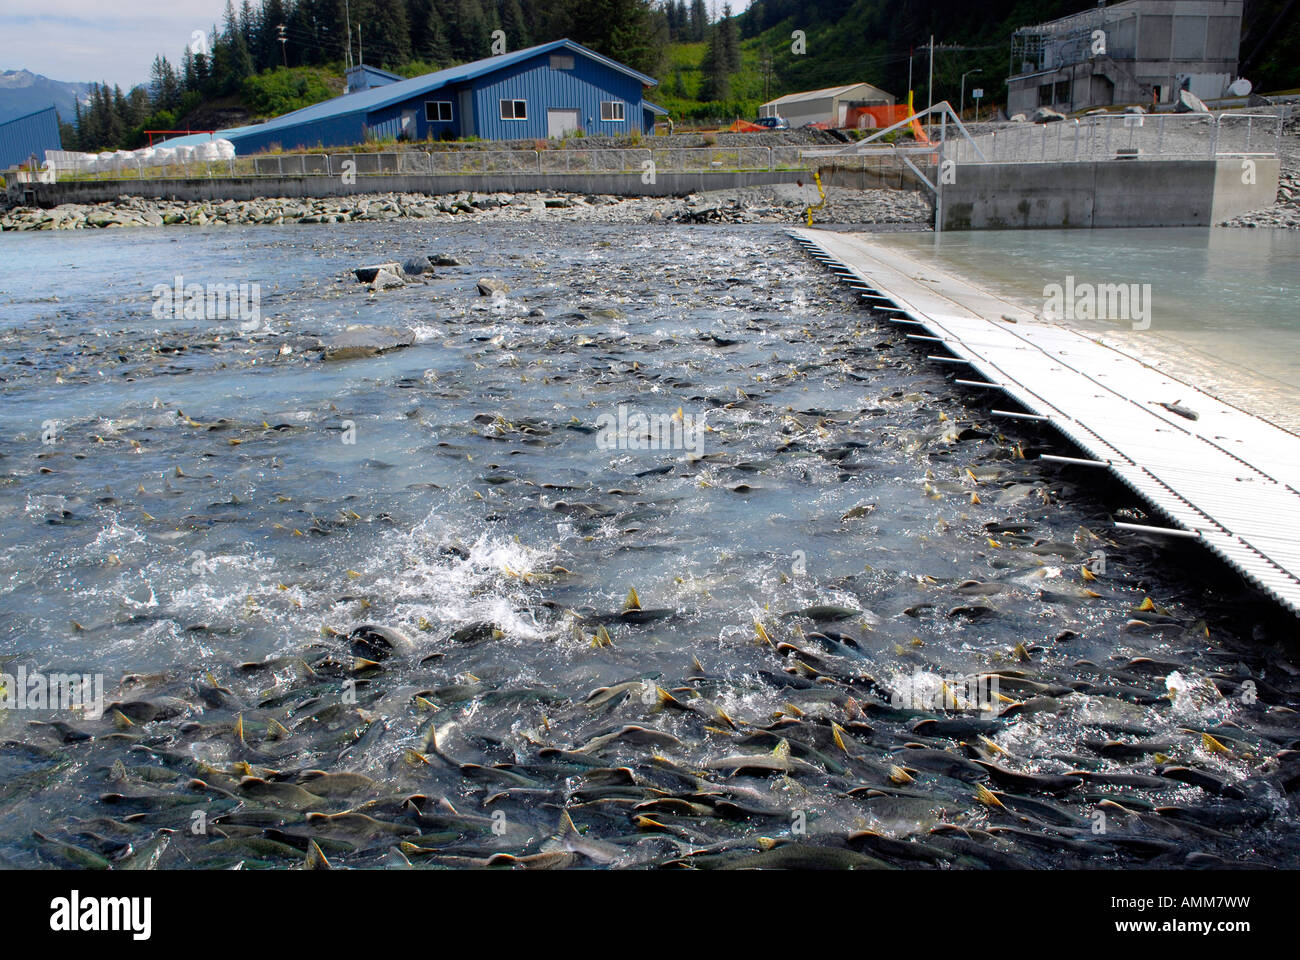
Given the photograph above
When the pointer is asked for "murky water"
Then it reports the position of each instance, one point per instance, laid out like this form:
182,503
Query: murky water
204,510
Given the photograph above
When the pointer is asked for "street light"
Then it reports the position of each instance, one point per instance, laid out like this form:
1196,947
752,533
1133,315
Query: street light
962,111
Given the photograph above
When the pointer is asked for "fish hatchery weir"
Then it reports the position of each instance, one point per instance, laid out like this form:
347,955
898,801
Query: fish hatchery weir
1222,477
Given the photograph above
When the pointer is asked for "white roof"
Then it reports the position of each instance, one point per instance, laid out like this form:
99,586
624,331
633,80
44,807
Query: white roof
821,94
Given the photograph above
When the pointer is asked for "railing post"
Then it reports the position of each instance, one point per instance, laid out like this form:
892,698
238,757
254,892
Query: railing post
1160,137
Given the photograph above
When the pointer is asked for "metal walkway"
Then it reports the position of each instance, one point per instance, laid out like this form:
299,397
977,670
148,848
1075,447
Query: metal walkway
1227,479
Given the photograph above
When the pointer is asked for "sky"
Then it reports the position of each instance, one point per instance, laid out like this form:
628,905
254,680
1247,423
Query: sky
113,41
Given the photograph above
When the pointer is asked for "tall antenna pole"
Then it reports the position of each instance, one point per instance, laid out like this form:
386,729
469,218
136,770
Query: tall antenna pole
361,53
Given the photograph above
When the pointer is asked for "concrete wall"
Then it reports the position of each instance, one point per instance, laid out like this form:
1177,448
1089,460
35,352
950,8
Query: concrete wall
1106,193
250,188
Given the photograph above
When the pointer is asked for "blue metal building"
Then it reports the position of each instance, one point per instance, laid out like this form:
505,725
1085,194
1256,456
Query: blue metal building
29,136
538,92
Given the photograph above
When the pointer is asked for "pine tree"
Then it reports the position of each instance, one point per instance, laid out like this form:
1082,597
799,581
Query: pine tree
729,40
717,79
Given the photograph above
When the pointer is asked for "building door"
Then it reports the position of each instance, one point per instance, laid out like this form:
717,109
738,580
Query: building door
408,123
561,122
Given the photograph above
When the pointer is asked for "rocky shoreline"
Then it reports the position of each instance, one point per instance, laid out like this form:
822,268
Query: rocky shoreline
781,203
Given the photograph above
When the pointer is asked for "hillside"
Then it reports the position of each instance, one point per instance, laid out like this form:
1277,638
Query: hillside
23,92
709,69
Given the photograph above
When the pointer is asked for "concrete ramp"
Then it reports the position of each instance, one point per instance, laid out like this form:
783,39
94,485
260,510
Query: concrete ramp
1226,479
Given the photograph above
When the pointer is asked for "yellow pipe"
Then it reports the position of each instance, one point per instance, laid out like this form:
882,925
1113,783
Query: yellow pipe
808,213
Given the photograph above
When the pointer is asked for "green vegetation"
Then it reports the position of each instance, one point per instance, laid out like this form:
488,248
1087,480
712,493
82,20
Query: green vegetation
288,88
709,72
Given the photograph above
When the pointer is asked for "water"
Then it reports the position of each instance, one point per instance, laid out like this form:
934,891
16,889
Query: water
1223,312
199,505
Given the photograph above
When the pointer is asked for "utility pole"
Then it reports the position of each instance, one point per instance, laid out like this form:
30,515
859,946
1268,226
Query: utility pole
347,19
963,89
929,93
284,57
767,77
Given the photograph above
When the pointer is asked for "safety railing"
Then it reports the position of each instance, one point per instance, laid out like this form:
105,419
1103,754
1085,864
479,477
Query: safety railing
1161,136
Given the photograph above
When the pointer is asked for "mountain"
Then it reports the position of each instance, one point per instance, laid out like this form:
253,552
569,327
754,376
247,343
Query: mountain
22,92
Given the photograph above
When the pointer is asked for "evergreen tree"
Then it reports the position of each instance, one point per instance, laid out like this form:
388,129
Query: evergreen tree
729,40
699,21
513,23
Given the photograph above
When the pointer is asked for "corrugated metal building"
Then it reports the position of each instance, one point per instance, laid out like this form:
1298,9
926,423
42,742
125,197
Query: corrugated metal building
29,136
1135,52
832,105
543,91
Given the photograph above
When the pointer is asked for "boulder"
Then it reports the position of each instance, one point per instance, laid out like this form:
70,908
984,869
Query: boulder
1019,118
487,286
1134,109
385,279
368,274
362,341
1189,102
444,260
416,266
1047,115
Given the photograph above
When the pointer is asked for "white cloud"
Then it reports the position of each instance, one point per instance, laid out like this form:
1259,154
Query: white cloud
86,40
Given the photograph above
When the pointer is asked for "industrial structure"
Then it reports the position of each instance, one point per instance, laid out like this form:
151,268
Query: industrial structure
1137,52
549,90
28,137
844,106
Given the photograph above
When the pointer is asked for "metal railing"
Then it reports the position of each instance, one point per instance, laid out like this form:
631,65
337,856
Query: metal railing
457,162
1172,136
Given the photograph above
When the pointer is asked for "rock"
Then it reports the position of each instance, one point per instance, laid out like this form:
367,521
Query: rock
416,266
555,202
385,279
1019,118
362,341
1188,102
537,312
443,260
487,286
1047,115
1134,109
367,274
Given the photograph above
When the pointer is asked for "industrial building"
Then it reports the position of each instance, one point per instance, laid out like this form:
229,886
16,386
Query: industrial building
833,106
29,136
1137,52
544,91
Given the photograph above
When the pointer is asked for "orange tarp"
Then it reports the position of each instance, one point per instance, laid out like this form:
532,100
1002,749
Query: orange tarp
884,116
744,126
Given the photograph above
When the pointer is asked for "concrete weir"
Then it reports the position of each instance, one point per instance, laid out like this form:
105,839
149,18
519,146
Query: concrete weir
1226,479
1105,193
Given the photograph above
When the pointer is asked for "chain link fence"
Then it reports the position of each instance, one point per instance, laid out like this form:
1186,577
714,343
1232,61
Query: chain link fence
458,162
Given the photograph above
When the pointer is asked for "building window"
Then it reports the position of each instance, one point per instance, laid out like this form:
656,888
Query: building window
514,109
611,111
437,111
560,61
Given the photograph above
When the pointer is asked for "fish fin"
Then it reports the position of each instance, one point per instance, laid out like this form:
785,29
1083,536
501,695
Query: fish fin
316,858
